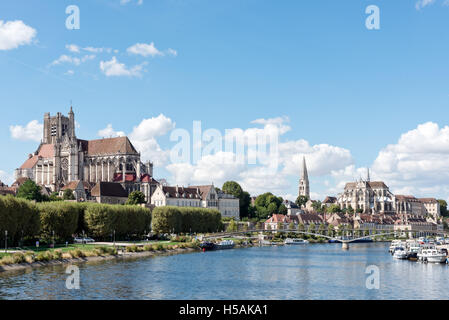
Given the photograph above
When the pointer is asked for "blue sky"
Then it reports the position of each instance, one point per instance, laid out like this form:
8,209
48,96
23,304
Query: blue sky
313,62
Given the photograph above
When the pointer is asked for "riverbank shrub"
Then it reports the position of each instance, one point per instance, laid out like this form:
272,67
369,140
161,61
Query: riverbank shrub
19,217
185,220
102,220
60,217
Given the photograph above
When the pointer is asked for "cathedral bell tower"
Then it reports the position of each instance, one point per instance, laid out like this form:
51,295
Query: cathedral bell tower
304,187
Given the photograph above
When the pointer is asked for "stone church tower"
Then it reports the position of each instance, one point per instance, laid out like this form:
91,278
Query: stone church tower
304,188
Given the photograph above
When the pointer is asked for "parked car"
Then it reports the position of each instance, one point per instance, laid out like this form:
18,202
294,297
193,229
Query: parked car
78,240
83,240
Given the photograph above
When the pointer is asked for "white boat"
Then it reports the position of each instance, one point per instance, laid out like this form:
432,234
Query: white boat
295,241
400,253
431,255
395,244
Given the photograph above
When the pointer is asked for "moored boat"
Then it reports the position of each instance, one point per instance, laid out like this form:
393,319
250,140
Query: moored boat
431,255
295,241
400,253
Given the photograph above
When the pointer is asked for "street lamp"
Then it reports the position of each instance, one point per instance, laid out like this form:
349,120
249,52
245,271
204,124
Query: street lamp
53,234
6,241
114,238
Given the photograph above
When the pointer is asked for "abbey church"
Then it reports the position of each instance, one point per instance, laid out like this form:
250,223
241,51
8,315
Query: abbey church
62,160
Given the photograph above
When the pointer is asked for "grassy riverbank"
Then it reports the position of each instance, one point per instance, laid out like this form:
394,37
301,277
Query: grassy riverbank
78,252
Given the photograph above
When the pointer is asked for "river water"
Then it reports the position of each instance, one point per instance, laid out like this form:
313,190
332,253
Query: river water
314,271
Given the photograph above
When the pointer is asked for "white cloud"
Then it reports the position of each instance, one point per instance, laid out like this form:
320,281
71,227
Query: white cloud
73,48
72,60
69,73
418,159
423,3
216,168
6,177
172,52
31,132
259,178
144,49
14,34
113,68
99,50
416,165
144,137
125,2
109,132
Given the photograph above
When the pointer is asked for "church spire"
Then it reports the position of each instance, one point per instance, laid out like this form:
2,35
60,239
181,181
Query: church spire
304,188
368,178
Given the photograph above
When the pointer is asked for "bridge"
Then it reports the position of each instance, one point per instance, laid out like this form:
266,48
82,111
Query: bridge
326,234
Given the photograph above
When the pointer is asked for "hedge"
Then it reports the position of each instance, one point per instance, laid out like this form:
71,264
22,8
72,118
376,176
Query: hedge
185,219
60,217
17,216
101,220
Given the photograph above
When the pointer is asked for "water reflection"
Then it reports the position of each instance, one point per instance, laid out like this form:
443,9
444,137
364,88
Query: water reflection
321,271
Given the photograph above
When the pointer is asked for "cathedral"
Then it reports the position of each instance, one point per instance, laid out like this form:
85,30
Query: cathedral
62,159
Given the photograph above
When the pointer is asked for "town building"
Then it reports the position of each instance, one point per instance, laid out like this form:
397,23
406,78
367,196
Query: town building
197,196
109,193
366,196
5,190
62,158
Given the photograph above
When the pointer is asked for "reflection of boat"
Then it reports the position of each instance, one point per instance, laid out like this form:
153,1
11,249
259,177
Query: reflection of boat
295,241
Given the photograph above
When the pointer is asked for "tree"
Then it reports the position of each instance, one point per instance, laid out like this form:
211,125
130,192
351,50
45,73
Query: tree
318,206
272,208
29,190
282,209
443,208
54,197
291,226
68,194
301,201
136,197
330,230
335,208
232,187
232,226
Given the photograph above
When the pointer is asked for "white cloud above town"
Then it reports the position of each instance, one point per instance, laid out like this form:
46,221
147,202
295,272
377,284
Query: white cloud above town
417,164
14,34
30,132
114,68
6,178
109,132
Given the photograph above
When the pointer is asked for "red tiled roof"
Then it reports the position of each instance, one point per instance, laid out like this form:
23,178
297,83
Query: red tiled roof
30,163
109,189
204,190
46,151
171,191
119,145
